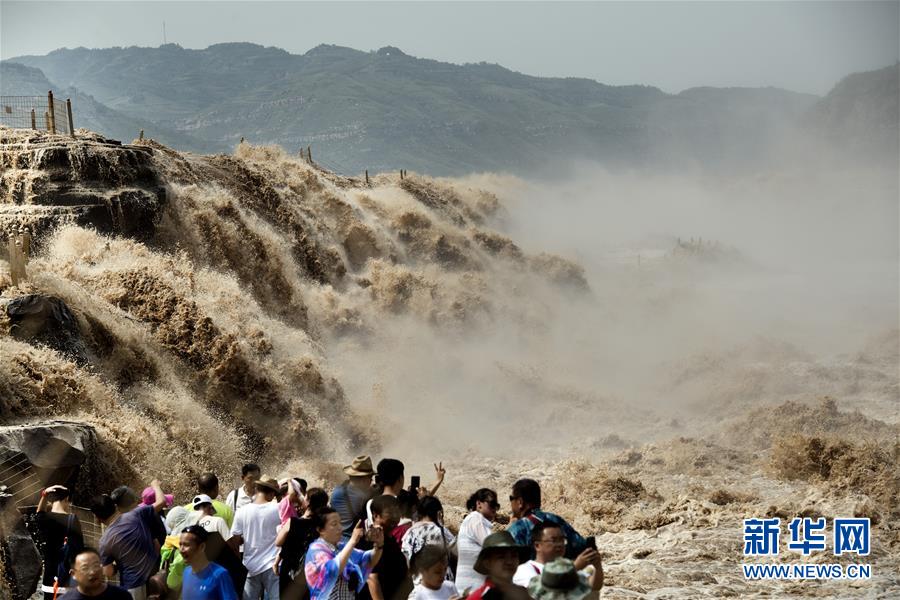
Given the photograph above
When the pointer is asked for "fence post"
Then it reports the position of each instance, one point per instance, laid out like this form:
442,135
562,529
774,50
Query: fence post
309,154
19,247
367,177
11,248
69,113
26,245
47,121
50,111
33,120
141,135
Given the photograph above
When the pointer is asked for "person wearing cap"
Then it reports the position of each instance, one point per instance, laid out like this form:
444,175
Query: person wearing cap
498,560
208,483
59,539
256,527
525,504
158,525
560,580
205,516
349,499
549,545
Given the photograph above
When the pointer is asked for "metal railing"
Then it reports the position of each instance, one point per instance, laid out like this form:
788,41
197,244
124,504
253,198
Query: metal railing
41,113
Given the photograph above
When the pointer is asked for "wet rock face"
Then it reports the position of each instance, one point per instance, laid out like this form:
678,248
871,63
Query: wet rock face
45,320
23,562
46,180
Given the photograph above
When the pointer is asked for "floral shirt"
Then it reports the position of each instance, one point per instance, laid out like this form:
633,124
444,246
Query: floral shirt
322,569
423,533
521,532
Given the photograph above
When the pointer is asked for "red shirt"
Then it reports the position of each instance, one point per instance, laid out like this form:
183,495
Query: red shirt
480,592
398,531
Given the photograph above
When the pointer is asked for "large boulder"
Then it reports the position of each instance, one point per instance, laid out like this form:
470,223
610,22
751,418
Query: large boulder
32,457
40,319
22,568
41,454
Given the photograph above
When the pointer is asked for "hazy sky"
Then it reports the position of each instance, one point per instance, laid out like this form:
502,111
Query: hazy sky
804,46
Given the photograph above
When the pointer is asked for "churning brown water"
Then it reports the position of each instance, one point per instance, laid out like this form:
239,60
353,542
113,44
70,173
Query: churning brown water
662,386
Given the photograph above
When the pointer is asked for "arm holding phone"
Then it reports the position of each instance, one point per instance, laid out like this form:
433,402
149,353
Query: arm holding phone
591,556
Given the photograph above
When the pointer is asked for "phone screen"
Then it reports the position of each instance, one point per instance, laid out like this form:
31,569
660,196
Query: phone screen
415,482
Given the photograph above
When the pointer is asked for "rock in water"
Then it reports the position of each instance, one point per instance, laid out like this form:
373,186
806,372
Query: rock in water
48,180
46,320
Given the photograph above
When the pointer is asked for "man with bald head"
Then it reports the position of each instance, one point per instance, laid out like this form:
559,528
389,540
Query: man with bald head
87,572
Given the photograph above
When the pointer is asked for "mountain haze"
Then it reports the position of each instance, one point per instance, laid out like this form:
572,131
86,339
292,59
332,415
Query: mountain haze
385,110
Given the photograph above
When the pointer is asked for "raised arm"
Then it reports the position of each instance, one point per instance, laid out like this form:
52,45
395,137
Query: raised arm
439,472
160,500
344,555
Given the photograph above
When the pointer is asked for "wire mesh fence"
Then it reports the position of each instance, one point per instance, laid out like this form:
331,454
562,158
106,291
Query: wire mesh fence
20,485
41,113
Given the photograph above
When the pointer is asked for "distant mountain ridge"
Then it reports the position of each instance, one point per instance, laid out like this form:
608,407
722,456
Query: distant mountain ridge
385,109
89,113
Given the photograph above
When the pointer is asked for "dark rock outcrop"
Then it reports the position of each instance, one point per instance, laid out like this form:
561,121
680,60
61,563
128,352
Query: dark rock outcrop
22,562
90,181
32,457
46,320
41,454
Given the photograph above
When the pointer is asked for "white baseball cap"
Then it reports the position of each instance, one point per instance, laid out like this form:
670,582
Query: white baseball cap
200,499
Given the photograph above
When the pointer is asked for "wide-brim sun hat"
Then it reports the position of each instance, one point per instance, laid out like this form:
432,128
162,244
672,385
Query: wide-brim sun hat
360,467
501,540
267,481
559,581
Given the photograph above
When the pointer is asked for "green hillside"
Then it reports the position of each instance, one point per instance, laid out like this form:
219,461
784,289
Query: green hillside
384,110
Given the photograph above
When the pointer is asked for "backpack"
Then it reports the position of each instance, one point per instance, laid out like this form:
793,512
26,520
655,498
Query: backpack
67,553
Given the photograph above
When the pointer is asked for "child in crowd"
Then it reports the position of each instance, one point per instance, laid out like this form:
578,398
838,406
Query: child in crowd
430,564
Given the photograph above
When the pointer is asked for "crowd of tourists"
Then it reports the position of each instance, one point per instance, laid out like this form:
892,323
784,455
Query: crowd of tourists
365,540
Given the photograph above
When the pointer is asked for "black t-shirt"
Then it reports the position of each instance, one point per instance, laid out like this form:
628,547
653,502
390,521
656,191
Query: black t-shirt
300,536
392,571
112,592
157,528
53,529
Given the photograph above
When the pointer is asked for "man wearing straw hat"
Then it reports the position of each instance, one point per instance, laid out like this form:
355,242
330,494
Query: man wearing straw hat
498,560
256,527
349,499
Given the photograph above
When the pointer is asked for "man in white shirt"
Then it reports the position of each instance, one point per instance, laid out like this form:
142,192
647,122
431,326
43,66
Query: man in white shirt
550,544
205,516
243,495
256,527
